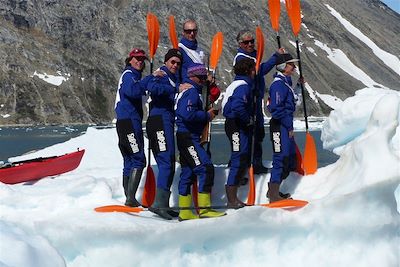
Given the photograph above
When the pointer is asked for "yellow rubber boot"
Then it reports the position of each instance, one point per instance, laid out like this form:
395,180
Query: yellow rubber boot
184,202
204,200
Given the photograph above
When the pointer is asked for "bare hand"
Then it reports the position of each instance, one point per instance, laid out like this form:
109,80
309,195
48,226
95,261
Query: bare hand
281,50
159,73
184,86
212,113
301,80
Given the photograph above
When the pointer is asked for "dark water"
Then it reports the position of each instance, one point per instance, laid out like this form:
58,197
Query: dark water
17,141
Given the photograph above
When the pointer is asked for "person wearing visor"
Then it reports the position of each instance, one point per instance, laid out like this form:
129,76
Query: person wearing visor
191,118
129,113
160,128
246,49
282,103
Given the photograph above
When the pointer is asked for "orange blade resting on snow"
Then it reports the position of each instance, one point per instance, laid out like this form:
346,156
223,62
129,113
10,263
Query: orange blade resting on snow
286,203
310,161
274,13
118,208
149,192
216,49
172,32
294,12
260,46
251,197
153,33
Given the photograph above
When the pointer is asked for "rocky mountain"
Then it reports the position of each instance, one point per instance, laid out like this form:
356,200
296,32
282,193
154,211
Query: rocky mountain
61,60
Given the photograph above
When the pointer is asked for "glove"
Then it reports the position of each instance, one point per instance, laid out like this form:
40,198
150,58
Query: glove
214,92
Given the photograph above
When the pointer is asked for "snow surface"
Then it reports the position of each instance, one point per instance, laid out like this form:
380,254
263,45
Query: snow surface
390,60
52,79
352,219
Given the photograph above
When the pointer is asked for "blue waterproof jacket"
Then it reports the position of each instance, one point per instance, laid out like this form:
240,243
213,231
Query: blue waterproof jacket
190,54
265,67
162,91
131,88
282,101
239,104
190,115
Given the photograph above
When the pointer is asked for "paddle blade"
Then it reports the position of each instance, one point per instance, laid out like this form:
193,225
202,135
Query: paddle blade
260,46
299,161
251,197
172,32
286,203
118,208
153,33
274,7
294,12
310,163
216,49
149,192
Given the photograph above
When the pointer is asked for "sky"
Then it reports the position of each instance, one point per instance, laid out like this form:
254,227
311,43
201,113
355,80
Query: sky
353,210
393,4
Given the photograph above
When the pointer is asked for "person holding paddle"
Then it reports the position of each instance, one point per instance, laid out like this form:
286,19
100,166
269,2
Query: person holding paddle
282,103
237,109
246,42
128,108
190,120
160,128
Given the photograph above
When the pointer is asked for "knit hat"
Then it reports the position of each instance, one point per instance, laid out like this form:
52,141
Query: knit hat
173,53
137,52
196,69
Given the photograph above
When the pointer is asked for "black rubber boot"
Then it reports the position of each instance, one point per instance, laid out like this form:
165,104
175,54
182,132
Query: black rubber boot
273,192
125,180
231,195
285,196
162,201
259,168
133,184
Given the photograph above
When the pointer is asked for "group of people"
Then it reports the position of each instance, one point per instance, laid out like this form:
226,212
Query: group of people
175,90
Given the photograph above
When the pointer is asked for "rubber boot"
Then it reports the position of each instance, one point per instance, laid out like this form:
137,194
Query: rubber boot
259,168
273,192
285,196
125,180
204,200
133,184
161,201
231,195
185,202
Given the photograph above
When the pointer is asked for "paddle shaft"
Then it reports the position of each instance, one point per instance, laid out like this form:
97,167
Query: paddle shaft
301,84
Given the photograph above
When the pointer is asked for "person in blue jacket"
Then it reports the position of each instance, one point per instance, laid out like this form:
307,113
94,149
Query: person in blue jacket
129,113
191,118
188,45
282,103
160,128
246,49
237,109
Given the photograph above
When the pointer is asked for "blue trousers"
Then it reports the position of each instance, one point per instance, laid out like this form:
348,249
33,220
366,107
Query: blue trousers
194,162
284,152
131,144
160,131
239,138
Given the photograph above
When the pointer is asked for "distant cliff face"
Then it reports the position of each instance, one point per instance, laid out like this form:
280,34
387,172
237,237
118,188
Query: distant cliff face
61,60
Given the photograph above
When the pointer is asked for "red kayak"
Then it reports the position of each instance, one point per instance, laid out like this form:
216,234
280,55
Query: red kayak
34,169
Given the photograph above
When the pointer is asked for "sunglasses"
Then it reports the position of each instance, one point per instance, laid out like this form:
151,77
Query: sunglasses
173,62
248,42
202,77
141,59
189,31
